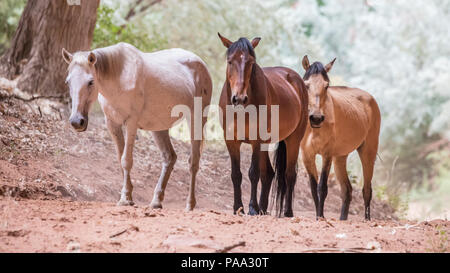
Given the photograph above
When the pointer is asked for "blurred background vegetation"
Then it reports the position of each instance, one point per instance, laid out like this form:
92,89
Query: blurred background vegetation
399,51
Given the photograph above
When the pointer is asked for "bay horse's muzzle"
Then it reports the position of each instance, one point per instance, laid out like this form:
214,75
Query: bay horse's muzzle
239,100
316,120
79,123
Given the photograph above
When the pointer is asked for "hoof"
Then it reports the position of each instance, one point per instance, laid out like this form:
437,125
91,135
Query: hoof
289,214
125,203
189,208
156,205
252,211
239,211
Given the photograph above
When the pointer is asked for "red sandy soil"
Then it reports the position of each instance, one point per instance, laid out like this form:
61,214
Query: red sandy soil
58,190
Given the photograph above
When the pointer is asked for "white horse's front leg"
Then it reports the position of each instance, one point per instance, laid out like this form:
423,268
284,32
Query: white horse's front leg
127,163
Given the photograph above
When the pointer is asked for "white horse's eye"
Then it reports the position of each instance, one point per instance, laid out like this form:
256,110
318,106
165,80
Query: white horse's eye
91,83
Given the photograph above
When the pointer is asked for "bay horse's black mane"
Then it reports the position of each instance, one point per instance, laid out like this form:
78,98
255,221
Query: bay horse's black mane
316,68
242,44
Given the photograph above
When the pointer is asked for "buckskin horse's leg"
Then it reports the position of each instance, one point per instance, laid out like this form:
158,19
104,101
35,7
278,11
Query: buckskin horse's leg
162,140
236,175
310,164
368,155
127,163
267,175
323,185
340,169
253,174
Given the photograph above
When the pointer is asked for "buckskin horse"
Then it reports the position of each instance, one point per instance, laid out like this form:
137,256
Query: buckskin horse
341,120
138,90
248,84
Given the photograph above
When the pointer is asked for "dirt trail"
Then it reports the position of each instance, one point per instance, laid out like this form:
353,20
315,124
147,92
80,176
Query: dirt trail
58,191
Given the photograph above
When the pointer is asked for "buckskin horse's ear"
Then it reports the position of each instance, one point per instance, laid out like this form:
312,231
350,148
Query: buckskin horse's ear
255,42
92,58
227,43
330,65
305,63
67,56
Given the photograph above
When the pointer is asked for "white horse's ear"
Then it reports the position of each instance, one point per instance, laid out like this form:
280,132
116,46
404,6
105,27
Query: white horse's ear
92,58
227,43
305,63
67,56
255,42
330,65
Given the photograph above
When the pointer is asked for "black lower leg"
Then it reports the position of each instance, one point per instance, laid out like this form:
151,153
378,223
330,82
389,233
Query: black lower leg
290,180
367,194
322,192
236,177
345,206
313,184
253,174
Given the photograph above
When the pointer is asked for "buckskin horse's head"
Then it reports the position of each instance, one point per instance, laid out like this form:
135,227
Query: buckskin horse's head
240,58
81,81
317,82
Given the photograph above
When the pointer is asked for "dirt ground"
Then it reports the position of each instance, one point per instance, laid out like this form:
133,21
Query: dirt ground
58,190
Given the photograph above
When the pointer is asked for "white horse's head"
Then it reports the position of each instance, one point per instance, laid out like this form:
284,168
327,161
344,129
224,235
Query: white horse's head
83,85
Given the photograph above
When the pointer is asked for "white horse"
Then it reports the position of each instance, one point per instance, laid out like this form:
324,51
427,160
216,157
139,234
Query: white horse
139,90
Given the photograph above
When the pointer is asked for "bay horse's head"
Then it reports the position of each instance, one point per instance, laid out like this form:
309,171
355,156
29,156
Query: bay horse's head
317,82
81,80
240,58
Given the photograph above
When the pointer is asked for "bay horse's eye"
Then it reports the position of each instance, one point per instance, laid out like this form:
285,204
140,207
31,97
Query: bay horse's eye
91,83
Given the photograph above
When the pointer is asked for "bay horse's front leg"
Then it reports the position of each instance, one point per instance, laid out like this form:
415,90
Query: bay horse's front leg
322,189
234,149
162,140
253,174
127,163
267,175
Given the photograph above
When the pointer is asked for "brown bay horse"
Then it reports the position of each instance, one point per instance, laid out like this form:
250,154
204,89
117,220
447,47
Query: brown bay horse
247,84
341,120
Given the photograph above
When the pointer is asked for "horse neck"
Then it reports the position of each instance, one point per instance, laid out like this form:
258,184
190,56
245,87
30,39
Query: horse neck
259,89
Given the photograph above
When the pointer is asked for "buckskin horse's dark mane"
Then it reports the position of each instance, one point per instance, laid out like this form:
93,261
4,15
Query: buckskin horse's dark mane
316,68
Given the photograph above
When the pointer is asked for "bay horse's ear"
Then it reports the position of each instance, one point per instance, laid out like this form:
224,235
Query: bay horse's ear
227,43
305,63
92,58
67,56
330,65
255,42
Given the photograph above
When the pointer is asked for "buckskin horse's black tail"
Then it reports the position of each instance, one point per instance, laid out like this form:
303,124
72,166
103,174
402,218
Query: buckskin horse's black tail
280,175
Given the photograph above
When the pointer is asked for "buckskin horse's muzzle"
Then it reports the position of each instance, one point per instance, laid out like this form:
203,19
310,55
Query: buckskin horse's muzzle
316,120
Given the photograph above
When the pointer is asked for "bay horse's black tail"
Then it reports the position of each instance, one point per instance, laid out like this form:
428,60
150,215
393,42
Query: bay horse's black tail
280,175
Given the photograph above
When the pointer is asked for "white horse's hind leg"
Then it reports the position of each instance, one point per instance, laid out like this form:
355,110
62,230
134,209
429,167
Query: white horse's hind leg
127,163
194,160
164,144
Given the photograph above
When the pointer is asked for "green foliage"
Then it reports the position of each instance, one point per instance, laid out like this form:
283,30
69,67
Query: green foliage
439,241
108,32
10,11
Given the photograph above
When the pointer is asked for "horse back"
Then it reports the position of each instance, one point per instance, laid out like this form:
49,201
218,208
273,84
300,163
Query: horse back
355,108
287,89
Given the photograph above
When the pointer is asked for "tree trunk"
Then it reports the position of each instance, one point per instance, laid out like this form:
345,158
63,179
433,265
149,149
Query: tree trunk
46,26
